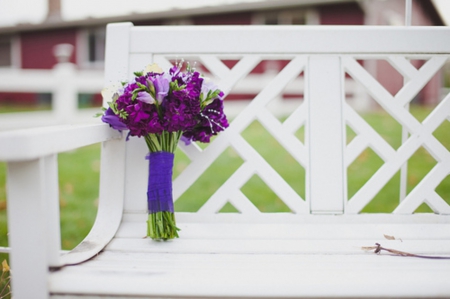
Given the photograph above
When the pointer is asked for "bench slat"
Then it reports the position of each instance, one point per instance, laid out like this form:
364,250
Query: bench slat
301,231
261,275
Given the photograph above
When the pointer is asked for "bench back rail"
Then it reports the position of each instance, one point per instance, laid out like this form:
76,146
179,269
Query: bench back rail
324,56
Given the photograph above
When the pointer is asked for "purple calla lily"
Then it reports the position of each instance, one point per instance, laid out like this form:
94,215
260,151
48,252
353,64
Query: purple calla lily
113,120
161,84
145,97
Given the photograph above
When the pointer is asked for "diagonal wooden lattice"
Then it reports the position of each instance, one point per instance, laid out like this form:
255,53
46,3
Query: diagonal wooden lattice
230,191
421,134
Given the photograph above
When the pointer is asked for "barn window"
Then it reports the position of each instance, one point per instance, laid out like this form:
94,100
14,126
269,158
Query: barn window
96,45
287,17
5,52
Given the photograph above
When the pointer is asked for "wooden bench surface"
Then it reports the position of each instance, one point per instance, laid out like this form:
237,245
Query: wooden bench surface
300,257
313,251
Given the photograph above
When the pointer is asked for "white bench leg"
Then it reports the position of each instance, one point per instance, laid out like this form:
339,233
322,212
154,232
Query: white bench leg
33,225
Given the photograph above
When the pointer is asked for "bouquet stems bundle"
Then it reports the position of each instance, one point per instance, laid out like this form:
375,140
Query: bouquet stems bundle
164,107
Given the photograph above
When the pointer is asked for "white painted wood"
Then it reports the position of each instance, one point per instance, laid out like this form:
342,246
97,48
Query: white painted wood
117,54
298,229
255,276
403,66
408,12
232,185
27,227
30,144
270,176
274,218
420,135
274,246
110,207
64,82
427,186
311,252
136,175
279,39
65,109
51,210
367,136
284,136
418,81
326,136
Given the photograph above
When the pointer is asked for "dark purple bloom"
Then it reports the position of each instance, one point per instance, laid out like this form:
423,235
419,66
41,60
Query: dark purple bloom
142,118
180,111
141,79
157,102
211,121
113,120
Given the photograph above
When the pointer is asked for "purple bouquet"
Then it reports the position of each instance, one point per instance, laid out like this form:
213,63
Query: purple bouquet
163,107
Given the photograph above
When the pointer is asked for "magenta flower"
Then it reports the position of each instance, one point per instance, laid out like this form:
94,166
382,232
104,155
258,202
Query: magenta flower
171,102
211,121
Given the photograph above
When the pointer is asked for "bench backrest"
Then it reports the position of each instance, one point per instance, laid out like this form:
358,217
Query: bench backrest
321,60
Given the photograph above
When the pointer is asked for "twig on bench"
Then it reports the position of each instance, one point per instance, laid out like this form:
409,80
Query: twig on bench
378,250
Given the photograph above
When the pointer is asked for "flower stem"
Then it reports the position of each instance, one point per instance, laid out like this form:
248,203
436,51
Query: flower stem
162,226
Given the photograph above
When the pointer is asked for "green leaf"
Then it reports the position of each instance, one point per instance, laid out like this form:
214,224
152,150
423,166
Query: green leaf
151,88
123,114
142,86
115,96
174,86
138,74
113,107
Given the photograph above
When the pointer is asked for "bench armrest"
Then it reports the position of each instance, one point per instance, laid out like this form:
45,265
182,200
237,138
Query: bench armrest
30,144
33,197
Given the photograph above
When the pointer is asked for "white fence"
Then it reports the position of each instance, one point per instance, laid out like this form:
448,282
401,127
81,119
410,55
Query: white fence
65,82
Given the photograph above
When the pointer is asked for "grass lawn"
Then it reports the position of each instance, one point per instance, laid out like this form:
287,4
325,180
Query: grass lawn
23,108
79,176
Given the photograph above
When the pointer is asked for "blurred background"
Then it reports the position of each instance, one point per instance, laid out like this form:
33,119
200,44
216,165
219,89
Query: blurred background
48,41
51,72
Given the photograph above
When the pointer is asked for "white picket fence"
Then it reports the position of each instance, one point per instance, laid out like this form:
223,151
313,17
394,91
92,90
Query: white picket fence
65,82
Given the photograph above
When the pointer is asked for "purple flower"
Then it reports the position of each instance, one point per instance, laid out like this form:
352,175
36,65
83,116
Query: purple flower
211,121
208,86
142,118
186,140
161,84
180,111
113,120
145,97
158,102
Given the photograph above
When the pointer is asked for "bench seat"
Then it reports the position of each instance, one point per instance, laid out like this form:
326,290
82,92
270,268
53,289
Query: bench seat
294,256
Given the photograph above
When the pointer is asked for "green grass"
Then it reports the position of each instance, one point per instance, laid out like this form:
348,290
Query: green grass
79,177
23,108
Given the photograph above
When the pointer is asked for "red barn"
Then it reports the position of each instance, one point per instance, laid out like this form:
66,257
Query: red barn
29,46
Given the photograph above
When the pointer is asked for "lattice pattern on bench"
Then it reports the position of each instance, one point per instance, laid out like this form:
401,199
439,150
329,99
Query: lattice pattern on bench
421,134
254,162
283,132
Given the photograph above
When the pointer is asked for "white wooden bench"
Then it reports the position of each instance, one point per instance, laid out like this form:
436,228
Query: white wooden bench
315,251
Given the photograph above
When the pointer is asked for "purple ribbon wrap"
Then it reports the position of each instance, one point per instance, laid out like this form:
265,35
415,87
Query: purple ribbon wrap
159,191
